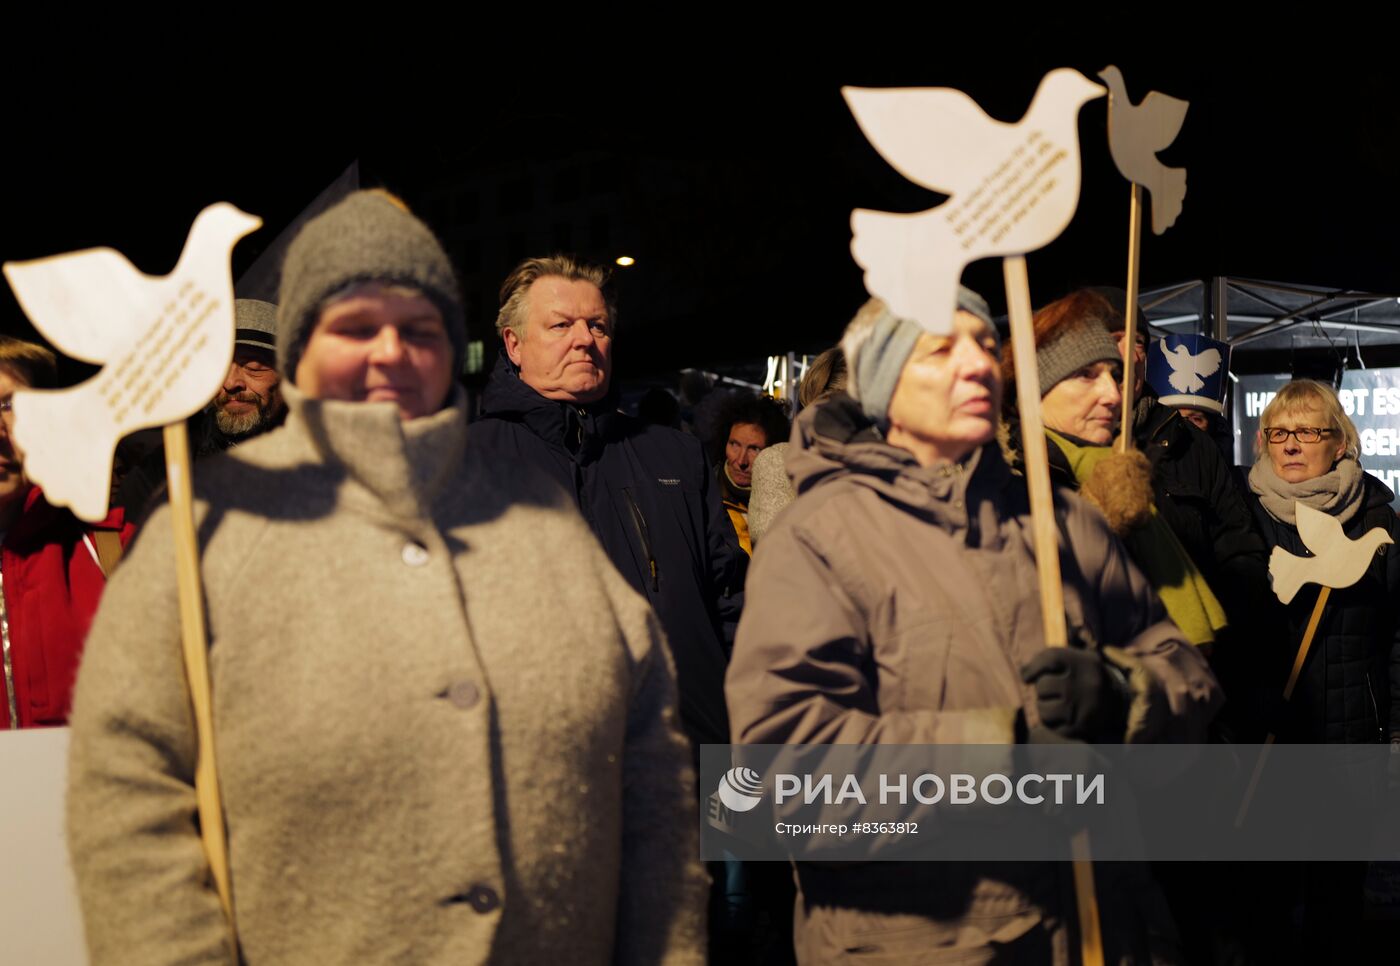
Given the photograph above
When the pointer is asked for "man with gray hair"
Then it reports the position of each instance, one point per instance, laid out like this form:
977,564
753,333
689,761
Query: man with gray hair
645,490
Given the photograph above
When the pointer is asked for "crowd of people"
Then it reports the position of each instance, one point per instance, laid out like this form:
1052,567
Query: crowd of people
461,669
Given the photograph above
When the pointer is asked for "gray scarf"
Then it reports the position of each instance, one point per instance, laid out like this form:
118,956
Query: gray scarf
1338,492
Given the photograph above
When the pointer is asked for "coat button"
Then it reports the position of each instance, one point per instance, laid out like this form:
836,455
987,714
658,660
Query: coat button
415,555
483,899
463,694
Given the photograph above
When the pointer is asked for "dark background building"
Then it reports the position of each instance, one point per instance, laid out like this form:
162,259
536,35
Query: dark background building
728,177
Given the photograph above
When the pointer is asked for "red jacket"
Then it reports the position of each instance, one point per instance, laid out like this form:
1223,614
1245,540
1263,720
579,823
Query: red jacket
52,584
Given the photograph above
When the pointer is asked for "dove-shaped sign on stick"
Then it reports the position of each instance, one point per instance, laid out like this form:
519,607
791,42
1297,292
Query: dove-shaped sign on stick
1336,561
165,345
1013,187
1136,132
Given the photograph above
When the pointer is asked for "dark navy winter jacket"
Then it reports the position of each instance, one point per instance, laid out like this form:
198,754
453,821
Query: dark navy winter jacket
1349,689
647,493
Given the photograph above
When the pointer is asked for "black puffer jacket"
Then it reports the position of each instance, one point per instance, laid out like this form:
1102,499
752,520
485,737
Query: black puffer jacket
647,493
1349,691
1197,496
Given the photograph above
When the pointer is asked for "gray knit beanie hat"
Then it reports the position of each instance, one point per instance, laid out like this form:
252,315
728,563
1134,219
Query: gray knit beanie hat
255,323
877,344
368,237
1081,344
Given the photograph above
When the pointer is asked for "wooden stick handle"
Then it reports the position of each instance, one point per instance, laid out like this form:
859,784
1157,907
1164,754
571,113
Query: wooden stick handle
1047,555
1090,928
1033,442
194,636
1253,782
1130,319
1306,645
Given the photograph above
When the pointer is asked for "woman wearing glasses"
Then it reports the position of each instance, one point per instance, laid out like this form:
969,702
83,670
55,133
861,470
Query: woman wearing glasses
1349,689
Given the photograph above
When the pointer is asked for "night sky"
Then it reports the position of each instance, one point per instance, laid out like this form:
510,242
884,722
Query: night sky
730,176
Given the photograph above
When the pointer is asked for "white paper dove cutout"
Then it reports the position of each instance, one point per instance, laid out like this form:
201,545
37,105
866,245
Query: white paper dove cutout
1136,132
165,344
1187,369
1336,561
1013,187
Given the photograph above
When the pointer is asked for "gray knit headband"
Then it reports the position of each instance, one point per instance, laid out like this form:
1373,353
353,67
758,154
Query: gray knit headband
882,355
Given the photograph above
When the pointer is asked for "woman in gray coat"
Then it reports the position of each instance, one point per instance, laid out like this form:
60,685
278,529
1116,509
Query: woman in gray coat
895,603
445,726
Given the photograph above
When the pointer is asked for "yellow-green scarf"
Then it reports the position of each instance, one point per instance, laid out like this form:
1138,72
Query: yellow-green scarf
1160,556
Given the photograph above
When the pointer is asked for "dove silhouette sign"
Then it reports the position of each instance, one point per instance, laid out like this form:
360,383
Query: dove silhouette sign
1136,132
1336,561
1189,370
1012,187
164,344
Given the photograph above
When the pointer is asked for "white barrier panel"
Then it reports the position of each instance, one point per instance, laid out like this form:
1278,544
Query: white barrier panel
39,917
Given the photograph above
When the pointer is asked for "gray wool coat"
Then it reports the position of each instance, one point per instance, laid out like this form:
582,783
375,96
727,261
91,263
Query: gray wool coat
893,603
771,491
445,727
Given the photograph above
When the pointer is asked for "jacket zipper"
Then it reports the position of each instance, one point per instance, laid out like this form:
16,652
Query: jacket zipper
640,523
1375,711
11,704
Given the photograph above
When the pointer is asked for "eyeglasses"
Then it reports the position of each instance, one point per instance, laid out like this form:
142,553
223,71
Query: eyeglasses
1304,434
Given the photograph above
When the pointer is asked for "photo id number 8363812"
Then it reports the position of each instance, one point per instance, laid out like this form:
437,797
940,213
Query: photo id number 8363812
885,828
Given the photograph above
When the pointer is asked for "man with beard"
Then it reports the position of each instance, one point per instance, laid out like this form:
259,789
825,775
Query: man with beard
248,404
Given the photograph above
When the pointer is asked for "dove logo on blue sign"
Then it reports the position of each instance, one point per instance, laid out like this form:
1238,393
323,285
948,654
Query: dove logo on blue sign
740,789
1189,370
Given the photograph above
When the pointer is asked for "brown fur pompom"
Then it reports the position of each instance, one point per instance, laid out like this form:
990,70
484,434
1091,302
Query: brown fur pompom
1121,487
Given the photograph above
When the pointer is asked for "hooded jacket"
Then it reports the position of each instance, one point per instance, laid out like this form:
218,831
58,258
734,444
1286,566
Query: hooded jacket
649,497
894,603
444,725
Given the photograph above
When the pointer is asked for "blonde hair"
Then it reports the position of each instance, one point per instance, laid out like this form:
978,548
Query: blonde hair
1304,394
826,375
517,286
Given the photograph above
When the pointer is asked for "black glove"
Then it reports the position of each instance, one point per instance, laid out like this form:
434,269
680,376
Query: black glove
1078,694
